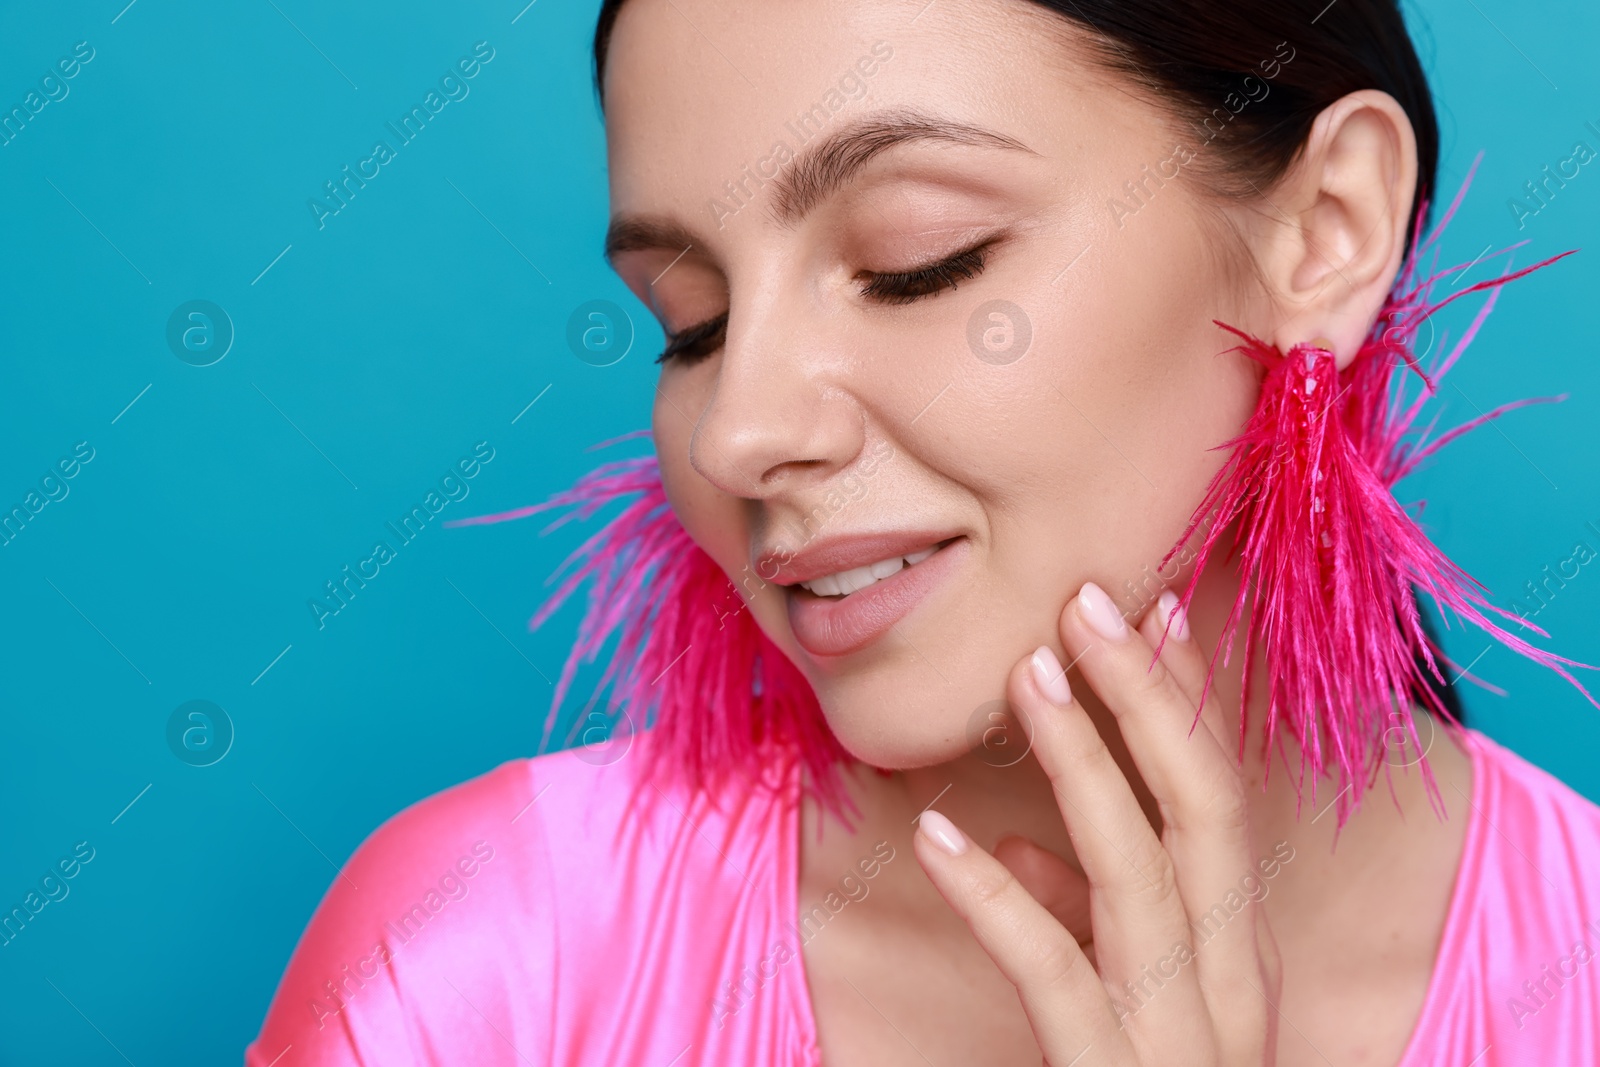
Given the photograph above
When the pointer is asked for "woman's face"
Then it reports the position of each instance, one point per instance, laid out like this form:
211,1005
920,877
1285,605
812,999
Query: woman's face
1041,408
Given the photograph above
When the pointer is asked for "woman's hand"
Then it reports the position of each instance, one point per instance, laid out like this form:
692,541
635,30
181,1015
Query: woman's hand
1150,996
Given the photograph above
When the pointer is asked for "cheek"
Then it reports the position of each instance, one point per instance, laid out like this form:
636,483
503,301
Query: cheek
1091,452
718,523
711,518
1154,386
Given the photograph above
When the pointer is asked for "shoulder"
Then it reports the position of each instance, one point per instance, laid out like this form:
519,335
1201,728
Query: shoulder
459,914
1514,970
447,891
1529,808
1533,847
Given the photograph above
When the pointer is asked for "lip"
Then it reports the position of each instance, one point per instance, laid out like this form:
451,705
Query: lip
834,554
827,627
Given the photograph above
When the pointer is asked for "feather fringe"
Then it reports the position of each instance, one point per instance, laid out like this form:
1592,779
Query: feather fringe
1333,564
690,662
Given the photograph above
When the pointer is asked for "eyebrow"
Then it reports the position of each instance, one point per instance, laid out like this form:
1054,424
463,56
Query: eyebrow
818,172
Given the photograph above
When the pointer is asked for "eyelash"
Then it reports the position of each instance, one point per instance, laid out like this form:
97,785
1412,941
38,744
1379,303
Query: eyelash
903,287
694,344
898,287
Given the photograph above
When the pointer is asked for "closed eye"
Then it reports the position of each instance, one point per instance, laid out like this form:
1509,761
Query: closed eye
887,287
903,287
696,342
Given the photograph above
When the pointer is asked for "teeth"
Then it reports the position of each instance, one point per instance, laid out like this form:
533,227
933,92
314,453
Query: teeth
887,567
827,585
853,580
858,578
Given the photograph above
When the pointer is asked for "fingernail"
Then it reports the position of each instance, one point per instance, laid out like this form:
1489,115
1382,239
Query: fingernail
1100,613
1171,609
942,832
1050,678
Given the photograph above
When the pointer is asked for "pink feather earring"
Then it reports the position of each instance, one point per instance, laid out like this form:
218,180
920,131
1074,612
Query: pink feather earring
722,701
1329,556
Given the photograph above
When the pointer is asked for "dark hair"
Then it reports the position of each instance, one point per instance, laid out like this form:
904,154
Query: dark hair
1447,693
1195,55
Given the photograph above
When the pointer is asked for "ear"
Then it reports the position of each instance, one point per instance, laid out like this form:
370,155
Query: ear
1341,215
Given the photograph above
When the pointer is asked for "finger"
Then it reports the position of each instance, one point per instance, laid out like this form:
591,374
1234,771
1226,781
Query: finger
1189,776
1196,784
1052,881
1061,993
1138,915
1166,618
1186,660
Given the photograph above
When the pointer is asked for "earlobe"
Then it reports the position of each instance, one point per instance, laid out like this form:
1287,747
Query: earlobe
1342,212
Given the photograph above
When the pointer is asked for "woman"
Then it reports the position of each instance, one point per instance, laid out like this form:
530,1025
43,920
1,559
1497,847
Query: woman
942,399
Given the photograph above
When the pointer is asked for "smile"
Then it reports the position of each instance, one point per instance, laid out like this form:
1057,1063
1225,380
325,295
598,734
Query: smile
846,610
853,581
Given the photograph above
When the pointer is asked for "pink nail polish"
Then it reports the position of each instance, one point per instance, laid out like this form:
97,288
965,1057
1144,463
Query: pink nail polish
1100,613
1167,604
1050,678
942,832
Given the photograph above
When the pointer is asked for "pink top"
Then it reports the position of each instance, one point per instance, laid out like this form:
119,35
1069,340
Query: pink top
525,918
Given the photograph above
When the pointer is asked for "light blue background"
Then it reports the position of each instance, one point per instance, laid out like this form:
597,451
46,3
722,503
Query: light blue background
422,319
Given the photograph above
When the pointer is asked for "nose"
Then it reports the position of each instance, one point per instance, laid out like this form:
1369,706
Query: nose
780,414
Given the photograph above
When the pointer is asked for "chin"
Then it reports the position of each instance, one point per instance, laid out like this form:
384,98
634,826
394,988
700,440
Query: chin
891,709
896,734
911,671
